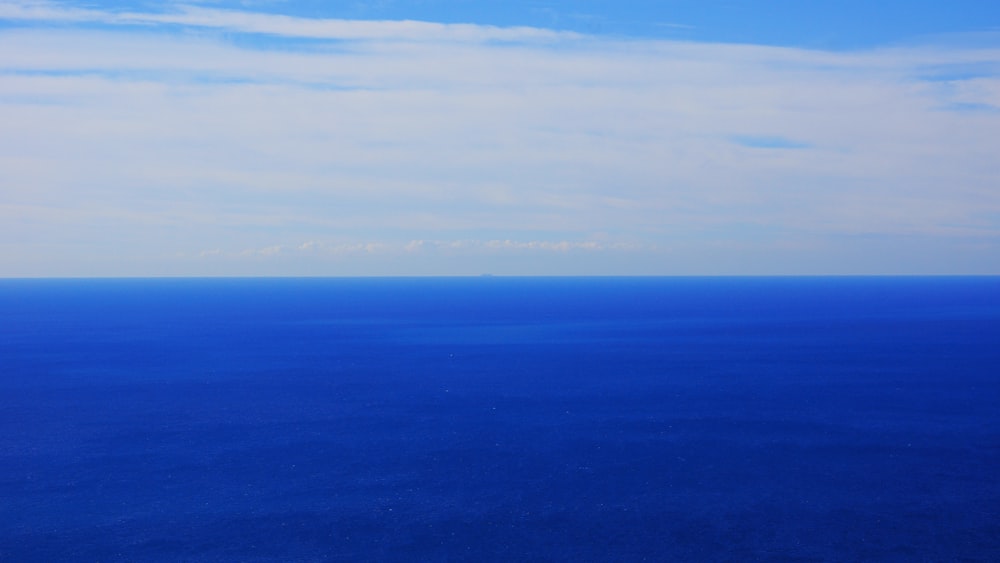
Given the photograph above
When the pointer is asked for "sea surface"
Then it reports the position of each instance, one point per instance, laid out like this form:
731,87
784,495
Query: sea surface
500,419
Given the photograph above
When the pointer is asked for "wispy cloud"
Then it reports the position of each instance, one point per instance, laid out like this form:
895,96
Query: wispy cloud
275,24
181,129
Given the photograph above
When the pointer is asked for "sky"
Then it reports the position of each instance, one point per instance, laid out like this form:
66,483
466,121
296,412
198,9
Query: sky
526,137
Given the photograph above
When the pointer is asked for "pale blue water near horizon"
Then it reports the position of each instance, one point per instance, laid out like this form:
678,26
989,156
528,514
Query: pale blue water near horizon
500,419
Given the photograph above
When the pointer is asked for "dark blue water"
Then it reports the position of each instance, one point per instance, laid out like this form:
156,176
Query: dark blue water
500,419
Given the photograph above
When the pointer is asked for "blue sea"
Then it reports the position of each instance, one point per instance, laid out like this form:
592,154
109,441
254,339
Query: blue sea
500,419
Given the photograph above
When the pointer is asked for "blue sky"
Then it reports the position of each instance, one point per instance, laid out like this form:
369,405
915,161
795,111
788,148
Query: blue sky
826,24
831,24
456,137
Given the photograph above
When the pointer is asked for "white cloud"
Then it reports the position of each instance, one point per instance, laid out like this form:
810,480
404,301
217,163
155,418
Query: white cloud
276,24
334,248
430,137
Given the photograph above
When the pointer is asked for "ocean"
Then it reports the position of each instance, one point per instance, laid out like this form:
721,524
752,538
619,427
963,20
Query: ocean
500,419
